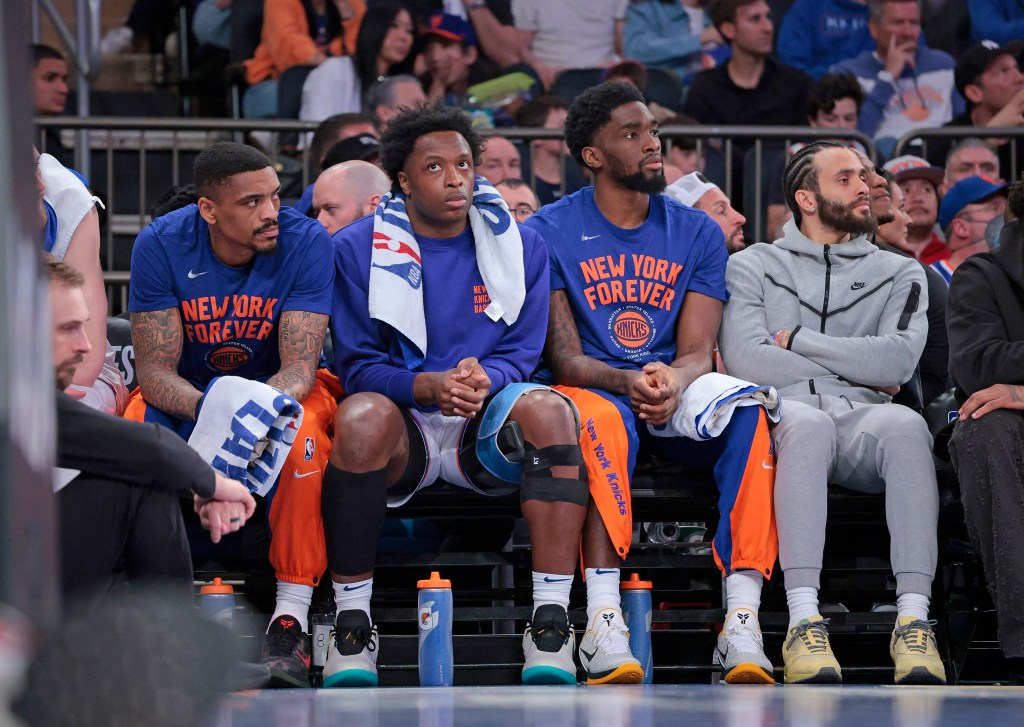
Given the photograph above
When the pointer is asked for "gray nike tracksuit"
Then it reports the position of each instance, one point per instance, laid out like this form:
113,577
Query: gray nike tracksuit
858,317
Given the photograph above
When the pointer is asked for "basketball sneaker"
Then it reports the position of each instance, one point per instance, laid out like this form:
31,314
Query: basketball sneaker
352,653
286,651
807,655
547,644
604,651
739,654
915,653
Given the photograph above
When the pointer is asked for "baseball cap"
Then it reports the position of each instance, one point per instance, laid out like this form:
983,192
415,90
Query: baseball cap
976,59
690,188
909,166
362,147
452,27
967,191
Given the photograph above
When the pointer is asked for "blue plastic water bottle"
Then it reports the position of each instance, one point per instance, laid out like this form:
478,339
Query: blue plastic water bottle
437,665
217,602
636,609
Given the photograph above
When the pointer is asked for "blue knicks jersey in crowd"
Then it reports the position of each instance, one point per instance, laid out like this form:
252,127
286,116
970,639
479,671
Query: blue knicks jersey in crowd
229,315
626,287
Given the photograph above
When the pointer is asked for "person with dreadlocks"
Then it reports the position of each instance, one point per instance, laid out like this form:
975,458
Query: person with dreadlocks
837,325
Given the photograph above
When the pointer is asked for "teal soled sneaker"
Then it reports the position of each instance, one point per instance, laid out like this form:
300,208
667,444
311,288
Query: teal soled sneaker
547,644
352,654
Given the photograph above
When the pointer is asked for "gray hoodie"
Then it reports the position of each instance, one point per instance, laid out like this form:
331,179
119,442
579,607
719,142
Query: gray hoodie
857,313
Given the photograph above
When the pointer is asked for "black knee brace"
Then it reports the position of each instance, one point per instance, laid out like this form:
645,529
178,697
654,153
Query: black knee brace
538,484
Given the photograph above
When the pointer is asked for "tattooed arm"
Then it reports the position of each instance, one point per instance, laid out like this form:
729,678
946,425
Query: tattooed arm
300,340
569,365
156,336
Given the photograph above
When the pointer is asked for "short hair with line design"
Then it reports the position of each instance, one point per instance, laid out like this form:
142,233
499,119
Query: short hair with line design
802,173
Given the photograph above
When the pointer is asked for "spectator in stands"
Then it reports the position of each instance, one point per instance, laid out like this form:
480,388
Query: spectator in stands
547,167
71,233
834,103
970,158
986,334
385,47
494,25
889,208
418,367
920,182
637,292
364,148
211,23
500,160
834,430
908,85
452,60
694,190
814,35
388,96
49,81
298,33
1000,20
521,200
674,34
971,215
684,154
120,507
345,192
236,288
332,130
554,36
751,88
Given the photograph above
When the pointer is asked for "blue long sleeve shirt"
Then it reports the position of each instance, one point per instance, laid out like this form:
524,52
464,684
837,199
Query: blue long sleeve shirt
816,34
367,353
998,20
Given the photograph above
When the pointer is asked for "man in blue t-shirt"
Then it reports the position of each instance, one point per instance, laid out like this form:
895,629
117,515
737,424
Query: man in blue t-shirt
236,285
637,289
438,320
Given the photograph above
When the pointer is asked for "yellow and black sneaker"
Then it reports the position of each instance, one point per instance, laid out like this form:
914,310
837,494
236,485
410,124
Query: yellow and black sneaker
807,655
915,653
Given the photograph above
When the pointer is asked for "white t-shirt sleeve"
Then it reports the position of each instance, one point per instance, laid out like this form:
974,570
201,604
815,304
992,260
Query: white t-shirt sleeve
620,9
526,15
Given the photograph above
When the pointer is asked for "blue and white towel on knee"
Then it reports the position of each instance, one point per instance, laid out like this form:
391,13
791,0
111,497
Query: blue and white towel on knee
709,402
245,430
396,267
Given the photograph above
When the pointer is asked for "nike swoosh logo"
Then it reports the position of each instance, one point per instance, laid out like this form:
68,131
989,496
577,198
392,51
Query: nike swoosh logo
353,588
590,655
767,466
602,572
584,238
193,276
304,474
548,579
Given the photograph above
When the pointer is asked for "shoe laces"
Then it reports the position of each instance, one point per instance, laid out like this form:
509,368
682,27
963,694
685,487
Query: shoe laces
916,635
549,631
813,634
285,643
744,636
612,636
361,636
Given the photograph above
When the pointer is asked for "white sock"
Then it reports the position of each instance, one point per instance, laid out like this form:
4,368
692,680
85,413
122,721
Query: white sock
349,596
551,588
914,605
803,604
743,590
293,599
602,590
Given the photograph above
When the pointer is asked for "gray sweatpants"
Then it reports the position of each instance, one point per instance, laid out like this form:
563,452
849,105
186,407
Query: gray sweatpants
988,455
865,447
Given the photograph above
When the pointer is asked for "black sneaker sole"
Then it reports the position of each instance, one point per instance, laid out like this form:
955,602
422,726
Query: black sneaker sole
283,680
920,675
828,675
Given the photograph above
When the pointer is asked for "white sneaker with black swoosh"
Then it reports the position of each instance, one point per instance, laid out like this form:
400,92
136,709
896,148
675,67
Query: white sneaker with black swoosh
604,651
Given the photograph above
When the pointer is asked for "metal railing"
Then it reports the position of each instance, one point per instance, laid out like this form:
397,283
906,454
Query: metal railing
1014,135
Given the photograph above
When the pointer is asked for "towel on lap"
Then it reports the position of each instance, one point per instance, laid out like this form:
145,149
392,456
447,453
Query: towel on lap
708,403
245,430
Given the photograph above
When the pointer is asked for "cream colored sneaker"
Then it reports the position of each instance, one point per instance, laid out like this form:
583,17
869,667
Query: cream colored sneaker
915,653
808,656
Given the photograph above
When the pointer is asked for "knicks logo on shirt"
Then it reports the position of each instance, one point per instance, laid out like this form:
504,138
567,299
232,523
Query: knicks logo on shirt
228,356
632,329
480,298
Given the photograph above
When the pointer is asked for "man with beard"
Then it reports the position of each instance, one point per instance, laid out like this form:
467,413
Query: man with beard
637,288
236,286
119,483
836,325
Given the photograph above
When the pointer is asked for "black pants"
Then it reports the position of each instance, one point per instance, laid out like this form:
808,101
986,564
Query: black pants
108,527
988,455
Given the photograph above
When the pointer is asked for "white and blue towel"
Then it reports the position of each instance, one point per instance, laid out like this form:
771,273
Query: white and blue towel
70,199
396,267
245,430
709,402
